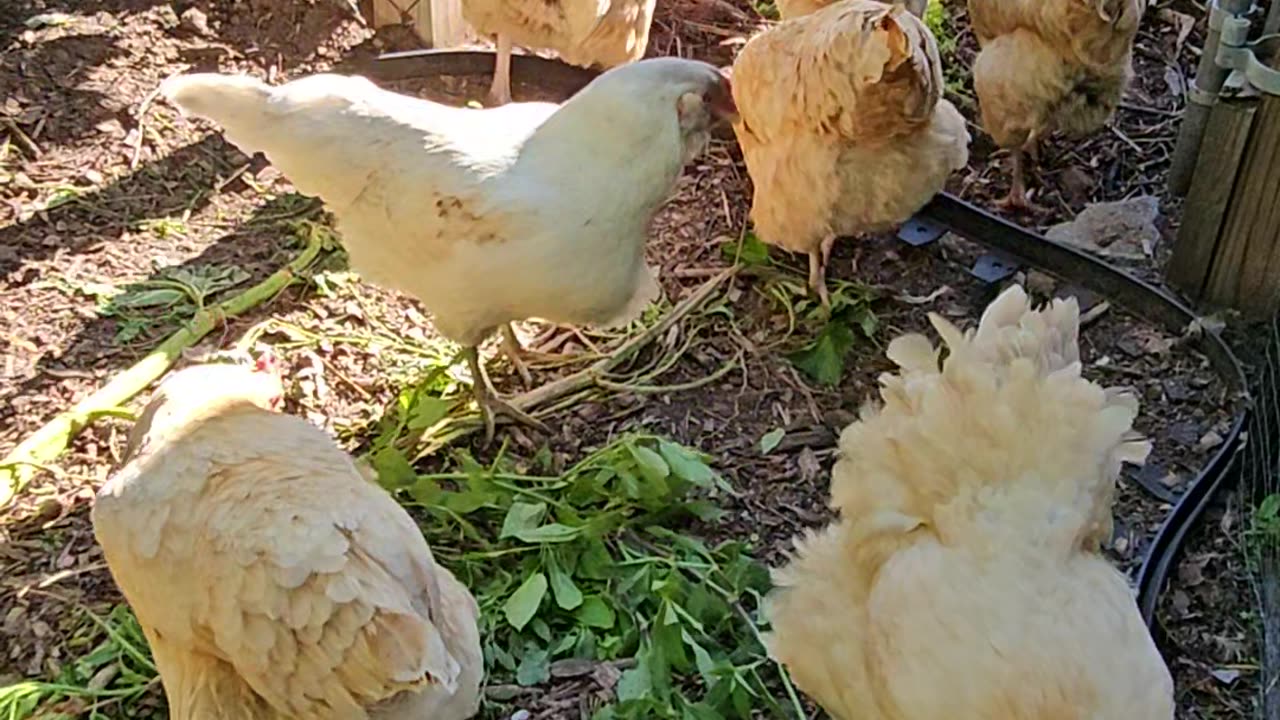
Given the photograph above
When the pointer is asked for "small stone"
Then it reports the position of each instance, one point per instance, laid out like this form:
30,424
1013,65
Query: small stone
193,20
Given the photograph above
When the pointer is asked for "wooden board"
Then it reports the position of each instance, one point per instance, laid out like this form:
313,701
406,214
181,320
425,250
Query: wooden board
1227,133
438,22
1246,273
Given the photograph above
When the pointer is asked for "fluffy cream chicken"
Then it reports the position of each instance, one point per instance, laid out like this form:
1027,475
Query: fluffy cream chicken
788,9
963,578
1050,65
843,126
529,210
271,579
603,33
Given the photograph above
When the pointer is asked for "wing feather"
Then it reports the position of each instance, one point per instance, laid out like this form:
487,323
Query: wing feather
323,598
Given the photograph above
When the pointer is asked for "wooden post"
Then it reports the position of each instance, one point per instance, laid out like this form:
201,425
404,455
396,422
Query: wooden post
1246,273
438,23
1225,137
1228,249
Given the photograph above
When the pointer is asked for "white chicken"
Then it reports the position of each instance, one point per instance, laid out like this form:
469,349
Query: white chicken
529,210
271,579
963,579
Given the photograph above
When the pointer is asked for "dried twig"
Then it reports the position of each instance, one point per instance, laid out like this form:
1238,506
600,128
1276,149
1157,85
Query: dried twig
142,120
1094,313
22,138
45,444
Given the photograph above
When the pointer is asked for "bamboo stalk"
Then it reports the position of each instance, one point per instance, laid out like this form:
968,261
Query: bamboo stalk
47,443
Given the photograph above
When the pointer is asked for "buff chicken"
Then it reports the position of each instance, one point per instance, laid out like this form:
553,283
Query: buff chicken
788,9
528,210
587,33
843,126
1049,65
271,579
963,579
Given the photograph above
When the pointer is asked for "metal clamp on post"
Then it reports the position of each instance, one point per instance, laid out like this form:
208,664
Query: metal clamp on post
1237,53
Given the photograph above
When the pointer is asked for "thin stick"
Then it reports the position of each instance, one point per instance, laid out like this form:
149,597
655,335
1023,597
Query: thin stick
45,444
23,139
142,124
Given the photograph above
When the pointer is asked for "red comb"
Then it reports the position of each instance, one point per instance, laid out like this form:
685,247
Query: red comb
266,362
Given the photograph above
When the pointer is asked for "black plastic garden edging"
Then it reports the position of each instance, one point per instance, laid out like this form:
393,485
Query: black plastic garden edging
978,226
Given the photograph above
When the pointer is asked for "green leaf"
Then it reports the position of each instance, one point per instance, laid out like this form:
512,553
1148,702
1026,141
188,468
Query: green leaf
427,492
687,465
701,658
393,468
823,360
522,518
652,466
550,533
523,603
567,595
596,613
427,411
595,563
869,323
635,683
753,252
535,668
771,439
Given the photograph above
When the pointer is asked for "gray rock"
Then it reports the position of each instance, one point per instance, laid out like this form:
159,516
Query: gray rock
1124,230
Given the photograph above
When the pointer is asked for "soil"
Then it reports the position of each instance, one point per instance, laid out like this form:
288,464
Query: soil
103,162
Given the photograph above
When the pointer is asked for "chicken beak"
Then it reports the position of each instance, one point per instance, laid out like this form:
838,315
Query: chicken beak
721,102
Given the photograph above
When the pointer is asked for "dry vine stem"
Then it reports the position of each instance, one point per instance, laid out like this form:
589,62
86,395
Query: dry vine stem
436,438
45,444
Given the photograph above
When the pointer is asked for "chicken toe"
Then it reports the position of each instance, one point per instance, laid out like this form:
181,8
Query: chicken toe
488,401
818,278
515,353
500,91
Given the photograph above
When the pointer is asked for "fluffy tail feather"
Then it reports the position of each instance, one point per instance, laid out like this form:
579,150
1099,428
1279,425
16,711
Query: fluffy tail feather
1006,436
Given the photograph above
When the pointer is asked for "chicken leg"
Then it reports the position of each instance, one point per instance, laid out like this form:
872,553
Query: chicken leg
488,401
1017,198
500,91
515,353
818,260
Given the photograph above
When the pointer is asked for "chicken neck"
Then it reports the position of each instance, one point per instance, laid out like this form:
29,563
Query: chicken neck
488,401
500,91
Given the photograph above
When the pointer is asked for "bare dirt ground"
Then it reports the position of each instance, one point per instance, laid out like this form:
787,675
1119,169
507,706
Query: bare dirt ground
102,186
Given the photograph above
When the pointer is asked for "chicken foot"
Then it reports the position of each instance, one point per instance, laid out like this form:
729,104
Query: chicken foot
818,260
500,91
488,401
1017,197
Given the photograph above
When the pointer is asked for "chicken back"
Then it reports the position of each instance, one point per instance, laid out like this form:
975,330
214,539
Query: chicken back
528,210
843,126
963,579
788,9
271,579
